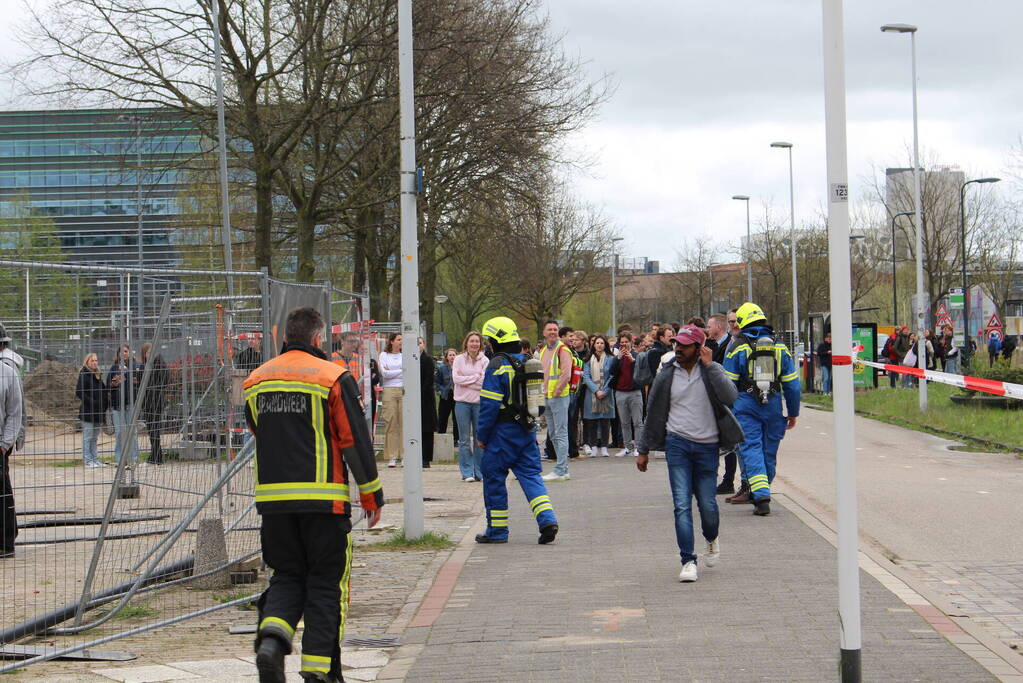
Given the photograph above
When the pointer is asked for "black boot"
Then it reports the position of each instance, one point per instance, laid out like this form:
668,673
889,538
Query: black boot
762,507
547,533
270,660
726,487
483,538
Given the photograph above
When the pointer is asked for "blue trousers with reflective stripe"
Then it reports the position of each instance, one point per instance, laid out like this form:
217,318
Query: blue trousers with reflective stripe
513,448
764,426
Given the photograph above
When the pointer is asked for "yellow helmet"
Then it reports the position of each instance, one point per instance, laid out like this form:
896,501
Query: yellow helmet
749,313
501,330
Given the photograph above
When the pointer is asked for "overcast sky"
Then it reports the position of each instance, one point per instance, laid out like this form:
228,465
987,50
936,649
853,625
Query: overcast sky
703,88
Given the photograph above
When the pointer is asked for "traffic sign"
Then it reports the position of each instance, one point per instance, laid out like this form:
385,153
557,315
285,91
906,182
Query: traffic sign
994,323
955,298
942,311
944,320
994,334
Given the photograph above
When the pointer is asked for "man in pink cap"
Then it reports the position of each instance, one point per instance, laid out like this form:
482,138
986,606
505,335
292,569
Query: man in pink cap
688,418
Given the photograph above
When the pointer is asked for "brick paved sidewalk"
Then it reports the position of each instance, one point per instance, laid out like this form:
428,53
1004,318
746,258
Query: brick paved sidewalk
603,602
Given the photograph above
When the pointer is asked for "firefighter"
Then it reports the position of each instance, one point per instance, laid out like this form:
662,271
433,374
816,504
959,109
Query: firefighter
507,435
763,370
308,423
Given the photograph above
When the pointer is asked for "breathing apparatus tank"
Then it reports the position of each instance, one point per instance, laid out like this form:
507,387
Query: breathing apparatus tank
535,398
764,368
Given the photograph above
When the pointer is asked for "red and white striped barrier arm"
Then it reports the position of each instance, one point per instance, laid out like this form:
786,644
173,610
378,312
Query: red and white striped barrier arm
988,386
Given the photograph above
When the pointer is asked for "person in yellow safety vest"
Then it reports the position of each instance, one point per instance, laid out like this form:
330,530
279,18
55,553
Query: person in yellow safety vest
557,374
307,419
763,370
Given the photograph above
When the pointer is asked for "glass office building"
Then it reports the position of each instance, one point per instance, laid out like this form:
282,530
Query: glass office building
104,177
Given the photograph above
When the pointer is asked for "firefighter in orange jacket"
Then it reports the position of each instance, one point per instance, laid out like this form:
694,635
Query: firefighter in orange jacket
308,422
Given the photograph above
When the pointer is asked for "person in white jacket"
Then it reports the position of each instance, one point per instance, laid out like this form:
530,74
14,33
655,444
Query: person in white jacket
12,433
392,386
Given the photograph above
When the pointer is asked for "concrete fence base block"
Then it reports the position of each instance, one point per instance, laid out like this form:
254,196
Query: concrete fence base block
210,553
443,445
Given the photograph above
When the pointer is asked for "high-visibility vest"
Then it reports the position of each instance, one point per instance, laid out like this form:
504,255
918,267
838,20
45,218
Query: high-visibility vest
555,370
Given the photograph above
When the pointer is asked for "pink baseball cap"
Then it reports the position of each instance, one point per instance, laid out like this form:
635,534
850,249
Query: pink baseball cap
690,334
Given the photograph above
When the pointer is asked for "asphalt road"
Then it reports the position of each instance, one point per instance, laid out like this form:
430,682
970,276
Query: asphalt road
917,498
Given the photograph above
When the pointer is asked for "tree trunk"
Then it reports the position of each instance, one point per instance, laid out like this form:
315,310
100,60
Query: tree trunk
305,237
263,247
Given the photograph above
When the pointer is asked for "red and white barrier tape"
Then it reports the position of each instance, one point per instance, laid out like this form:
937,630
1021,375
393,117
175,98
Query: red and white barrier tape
988,386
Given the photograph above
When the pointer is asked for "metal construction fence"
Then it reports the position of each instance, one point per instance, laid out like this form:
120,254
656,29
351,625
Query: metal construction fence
134,487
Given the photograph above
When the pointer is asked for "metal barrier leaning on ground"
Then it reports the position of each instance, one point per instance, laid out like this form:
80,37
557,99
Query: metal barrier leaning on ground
144,547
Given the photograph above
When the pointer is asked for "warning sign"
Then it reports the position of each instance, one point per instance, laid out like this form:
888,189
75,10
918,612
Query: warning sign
944,320
942,311
994,323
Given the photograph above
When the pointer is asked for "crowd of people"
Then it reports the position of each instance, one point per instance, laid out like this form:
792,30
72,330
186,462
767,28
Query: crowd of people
108,399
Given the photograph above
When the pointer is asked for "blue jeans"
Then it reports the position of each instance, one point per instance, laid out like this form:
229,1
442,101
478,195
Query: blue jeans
557,427
90,432
470,456
692,470
952,365
826,379
123,434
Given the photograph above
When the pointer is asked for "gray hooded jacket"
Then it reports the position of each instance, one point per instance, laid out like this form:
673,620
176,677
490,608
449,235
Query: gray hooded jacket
12,401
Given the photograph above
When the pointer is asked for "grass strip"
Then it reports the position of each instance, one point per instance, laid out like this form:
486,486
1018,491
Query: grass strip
994,429
430,540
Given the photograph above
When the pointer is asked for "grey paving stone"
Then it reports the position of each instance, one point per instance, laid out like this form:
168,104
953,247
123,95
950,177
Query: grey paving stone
603,602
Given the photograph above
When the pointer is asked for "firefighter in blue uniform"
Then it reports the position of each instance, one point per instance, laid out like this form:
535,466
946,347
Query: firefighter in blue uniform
508,439
763,370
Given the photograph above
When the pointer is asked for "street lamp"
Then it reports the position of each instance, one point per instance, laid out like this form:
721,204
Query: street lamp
137,120
895,299
749,249
792,219
440,300
966,292
614,267
921,357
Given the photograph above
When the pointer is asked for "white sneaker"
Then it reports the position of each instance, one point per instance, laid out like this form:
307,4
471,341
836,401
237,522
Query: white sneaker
93,464
603,452
393,462
469,479
624,453
713,552
587,450
554,476
688,573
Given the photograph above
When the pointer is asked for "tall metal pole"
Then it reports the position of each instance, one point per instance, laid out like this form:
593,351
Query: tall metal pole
614,299
749,257
921,350
225,201
138,211
895,298
795,277
411,415
966,292
841,335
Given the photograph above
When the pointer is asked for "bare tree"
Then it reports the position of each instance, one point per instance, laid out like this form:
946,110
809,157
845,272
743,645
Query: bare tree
999,262
553,248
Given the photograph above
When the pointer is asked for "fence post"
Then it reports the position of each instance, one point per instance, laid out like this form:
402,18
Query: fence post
264,290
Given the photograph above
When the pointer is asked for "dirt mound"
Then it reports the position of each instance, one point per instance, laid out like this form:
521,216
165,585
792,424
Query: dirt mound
51,387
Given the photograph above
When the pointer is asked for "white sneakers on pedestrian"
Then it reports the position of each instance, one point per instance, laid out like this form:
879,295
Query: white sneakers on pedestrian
587,450
688,573
393,462
624,453
554,476
603,452
94,464
713,552
469,479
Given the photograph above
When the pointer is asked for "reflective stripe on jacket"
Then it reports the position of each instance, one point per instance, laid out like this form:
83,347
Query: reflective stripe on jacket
307,429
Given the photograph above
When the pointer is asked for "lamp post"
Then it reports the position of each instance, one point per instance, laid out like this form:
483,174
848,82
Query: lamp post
962,256
614,267
137,120
921,357
895,296
749,249
792,232
440,300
